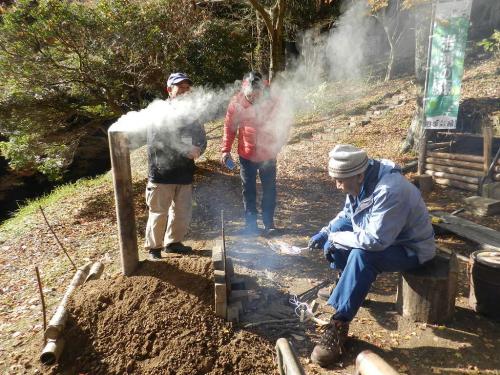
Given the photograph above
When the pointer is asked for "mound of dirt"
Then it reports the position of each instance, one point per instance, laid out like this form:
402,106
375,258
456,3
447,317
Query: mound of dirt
159,321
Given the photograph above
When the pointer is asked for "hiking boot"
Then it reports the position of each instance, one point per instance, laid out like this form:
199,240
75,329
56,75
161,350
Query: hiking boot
178,248
154,254
331,344
270,231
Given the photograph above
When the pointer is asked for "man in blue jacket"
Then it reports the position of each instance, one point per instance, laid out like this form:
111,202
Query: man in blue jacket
384,227
172,150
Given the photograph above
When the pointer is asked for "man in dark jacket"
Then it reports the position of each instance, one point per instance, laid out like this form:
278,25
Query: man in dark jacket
172,150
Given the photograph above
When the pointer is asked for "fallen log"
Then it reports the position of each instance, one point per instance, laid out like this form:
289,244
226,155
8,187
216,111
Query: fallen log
457,184
451,176
454,170
464,157
455,163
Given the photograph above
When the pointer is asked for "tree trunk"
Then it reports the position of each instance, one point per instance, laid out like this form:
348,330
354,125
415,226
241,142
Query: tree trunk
390,62
277,61
273,20
423,16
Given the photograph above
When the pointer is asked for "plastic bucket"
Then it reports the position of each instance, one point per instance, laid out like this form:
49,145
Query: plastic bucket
484,277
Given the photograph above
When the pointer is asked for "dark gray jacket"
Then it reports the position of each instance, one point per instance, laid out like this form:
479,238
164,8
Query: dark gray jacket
167,151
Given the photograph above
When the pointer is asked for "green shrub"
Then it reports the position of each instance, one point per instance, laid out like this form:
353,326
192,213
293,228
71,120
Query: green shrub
492,44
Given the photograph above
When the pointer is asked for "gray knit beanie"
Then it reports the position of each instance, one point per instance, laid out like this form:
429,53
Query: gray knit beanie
346,161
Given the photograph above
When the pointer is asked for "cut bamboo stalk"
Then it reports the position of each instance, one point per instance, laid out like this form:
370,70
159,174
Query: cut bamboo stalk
455,163
454,170
122,181
369,363
52,351
288,363
458,184
58,320
95,271
451,176
464,157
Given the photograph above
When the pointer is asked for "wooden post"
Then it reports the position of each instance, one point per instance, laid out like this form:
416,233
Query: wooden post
422,151
487,145
122,181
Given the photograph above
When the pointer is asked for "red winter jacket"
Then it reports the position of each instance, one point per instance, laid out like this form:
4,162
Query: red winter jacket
257,138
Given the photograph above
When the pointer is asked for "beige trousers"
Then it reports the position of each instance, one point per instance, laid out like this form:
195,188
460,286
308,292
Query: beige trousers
170,212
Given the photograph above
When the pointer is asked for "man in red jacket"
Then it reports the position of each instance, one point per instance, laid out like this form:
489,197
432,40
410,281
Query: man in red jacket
250,115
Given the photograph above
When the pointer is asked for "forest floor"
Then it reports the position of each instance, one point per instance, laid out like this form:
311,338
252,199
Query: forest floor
161,321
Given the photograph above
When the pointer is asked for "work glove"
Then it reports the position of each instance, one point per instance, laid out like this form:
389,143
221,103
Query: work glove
328,249
318,240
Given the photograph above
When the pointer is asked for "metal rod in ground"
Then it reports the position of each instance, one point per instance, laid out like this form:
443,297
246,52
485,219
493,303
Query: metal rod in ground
223,237
57,239
40,289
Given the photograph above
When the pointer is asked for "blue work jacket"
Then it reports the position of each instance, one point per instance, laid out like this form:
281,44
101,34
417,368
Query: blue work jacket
389,210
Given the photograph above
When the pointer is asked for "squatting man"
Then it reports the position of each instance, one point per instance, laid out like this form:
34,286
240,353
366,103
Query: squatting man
384,227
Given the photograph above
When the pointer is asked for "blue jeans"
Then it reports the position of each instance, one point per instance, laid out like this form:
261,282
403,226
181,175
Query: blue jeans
359,269
267,174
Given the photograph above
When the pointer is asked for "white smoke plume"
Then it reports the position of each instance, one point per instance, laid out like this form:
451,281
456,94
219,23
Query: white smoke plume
340,55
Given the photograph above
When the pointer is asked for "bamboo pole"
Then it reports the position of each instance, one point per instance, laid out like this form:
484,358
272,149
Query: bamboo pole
95,271
122,181
58,320
42,299
52,351
369,363
451,176
464,157
458,184
455,163
288,363
454,170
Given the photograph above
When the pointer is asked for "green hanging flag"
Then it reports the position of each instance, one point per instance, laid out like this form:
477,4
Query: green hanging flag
446,63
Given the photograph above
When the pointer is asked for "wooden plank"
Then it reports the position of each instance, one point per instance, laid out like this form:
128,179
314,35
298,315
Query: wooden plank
451,176
467,229
464,157
461,171
455,163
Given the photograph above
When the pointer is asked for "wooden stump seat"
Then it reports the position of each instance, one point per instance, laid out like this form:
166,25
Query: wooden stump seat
427,293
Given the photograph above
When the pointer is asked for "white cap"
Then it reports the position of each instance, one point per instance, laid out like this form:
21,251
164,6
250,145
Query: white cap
346,161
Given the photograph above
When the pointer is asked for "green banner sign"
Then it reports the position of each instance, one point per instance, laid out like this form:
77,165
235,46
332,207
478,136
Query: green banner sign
446,63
